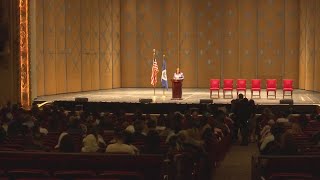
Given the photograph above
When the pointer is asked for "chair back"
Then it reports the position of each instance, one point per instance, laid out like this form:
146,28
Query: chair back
214,83
271,83
241,83
287,83
228,83
256,83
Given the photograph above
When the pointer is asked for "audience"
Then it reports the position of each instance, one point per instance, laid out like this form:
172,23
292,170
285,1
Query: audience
119,145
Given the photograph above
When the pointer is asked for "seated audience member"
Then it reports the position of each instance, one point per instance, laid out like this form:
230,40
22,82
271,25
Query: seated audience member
271,144
3,135
152,143
151,125
175,125
59,139
282,118
119,146
138,134
295,129
287,145
90,144
128,137
66,144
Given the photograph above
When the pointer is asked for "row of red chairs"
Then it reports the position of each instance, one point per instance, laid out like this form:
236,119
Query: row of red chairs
271,86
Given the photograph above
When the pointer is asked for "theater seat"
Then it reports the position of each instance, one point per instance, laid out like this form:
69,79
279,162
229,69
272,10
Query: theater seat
74,174
28,173
122,175
291,176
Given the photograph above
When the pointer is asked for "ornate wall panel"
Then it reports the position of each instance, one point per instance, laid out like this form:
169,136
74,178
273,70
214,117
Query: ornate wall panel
271,40
60,46
169,35
302,46
291,66
49,38
218,39
116,73
40,50
317,47
248,40
309,44
230,63
188,42
77,45
128,43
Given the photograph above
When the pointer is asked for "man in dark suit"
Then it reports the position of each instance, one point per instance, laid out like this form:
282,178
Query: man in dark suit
242,113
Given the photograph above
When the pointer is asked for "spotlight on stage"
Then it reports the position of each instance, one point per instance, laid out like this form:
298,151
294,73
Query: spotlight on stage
206,101
145,101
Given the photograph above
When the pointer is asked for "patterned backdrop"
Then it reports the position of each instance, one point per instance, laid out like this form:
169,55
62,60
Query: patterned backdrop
78,45
217,39
309,64
78,42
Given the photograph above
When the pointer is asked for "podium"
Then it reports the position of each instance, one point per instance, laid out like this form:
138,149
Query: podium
176,89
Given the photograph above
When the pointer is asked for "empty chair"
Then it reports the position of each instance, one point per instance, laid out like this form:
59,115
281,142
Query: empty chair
214,86
227,86
242,86
272,87
256,86
287,86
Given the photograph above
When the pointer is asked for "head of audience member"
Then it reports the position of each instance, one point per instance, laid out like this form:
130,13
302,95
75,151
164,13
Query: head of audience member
220,116
277,130
295,129
152,143
128,137
288,145
161,120
151,124
138,126
90,144
303,120
67,144
119,136
240,96
177,122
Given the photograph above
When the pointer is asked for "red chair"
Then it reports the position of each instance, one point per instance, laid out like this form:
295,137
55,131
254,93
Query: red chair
227,86
214,86
256,86
287,85
272,87
242,86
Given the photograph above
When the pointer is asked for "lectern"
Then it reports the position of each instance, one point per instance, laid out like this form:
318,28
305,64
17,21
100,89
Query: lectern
176,89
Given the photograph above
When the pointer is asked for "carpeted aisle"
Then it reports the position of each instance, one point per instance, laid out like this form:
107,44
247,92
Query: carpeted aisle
237,163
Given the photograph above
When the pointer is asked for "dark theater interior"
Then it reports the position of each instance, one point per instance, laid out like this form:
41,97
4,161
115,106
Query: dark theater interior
159,89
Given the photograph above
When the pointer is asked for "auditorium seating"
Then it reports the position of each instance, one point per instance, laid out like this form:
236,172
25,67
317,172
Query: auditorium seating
285,167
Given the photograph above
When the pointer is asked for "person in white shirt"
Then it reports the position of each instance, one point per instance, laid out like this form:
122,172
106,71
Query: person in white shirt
178,75
119,146
90,144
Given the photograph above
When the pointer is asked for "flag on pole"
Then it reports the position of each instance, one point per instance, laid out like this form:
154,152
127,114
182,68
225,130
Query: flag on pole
154,74
164,79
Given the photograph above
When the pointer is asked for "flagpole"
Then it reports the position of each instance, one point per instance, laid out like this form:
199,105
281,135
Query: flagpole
154,87
161,80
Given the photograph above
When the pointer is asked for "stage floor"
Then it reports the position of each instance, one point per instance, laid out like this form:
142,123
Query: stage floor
189,95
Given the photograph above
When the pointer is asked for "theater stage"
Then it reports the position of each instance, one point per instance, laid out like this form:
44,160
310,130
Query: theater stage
189,95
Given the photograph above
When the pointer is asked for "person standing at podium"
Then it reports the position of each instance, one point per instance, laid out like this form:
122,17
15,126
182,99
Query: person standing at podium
178,75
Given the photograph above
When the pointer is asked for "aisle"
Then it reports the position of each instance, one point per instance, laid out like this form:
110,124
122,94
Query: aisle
237,163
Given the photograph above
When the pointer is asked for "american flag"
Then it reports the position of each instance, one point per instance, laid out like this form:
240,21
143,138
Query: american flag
154,74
